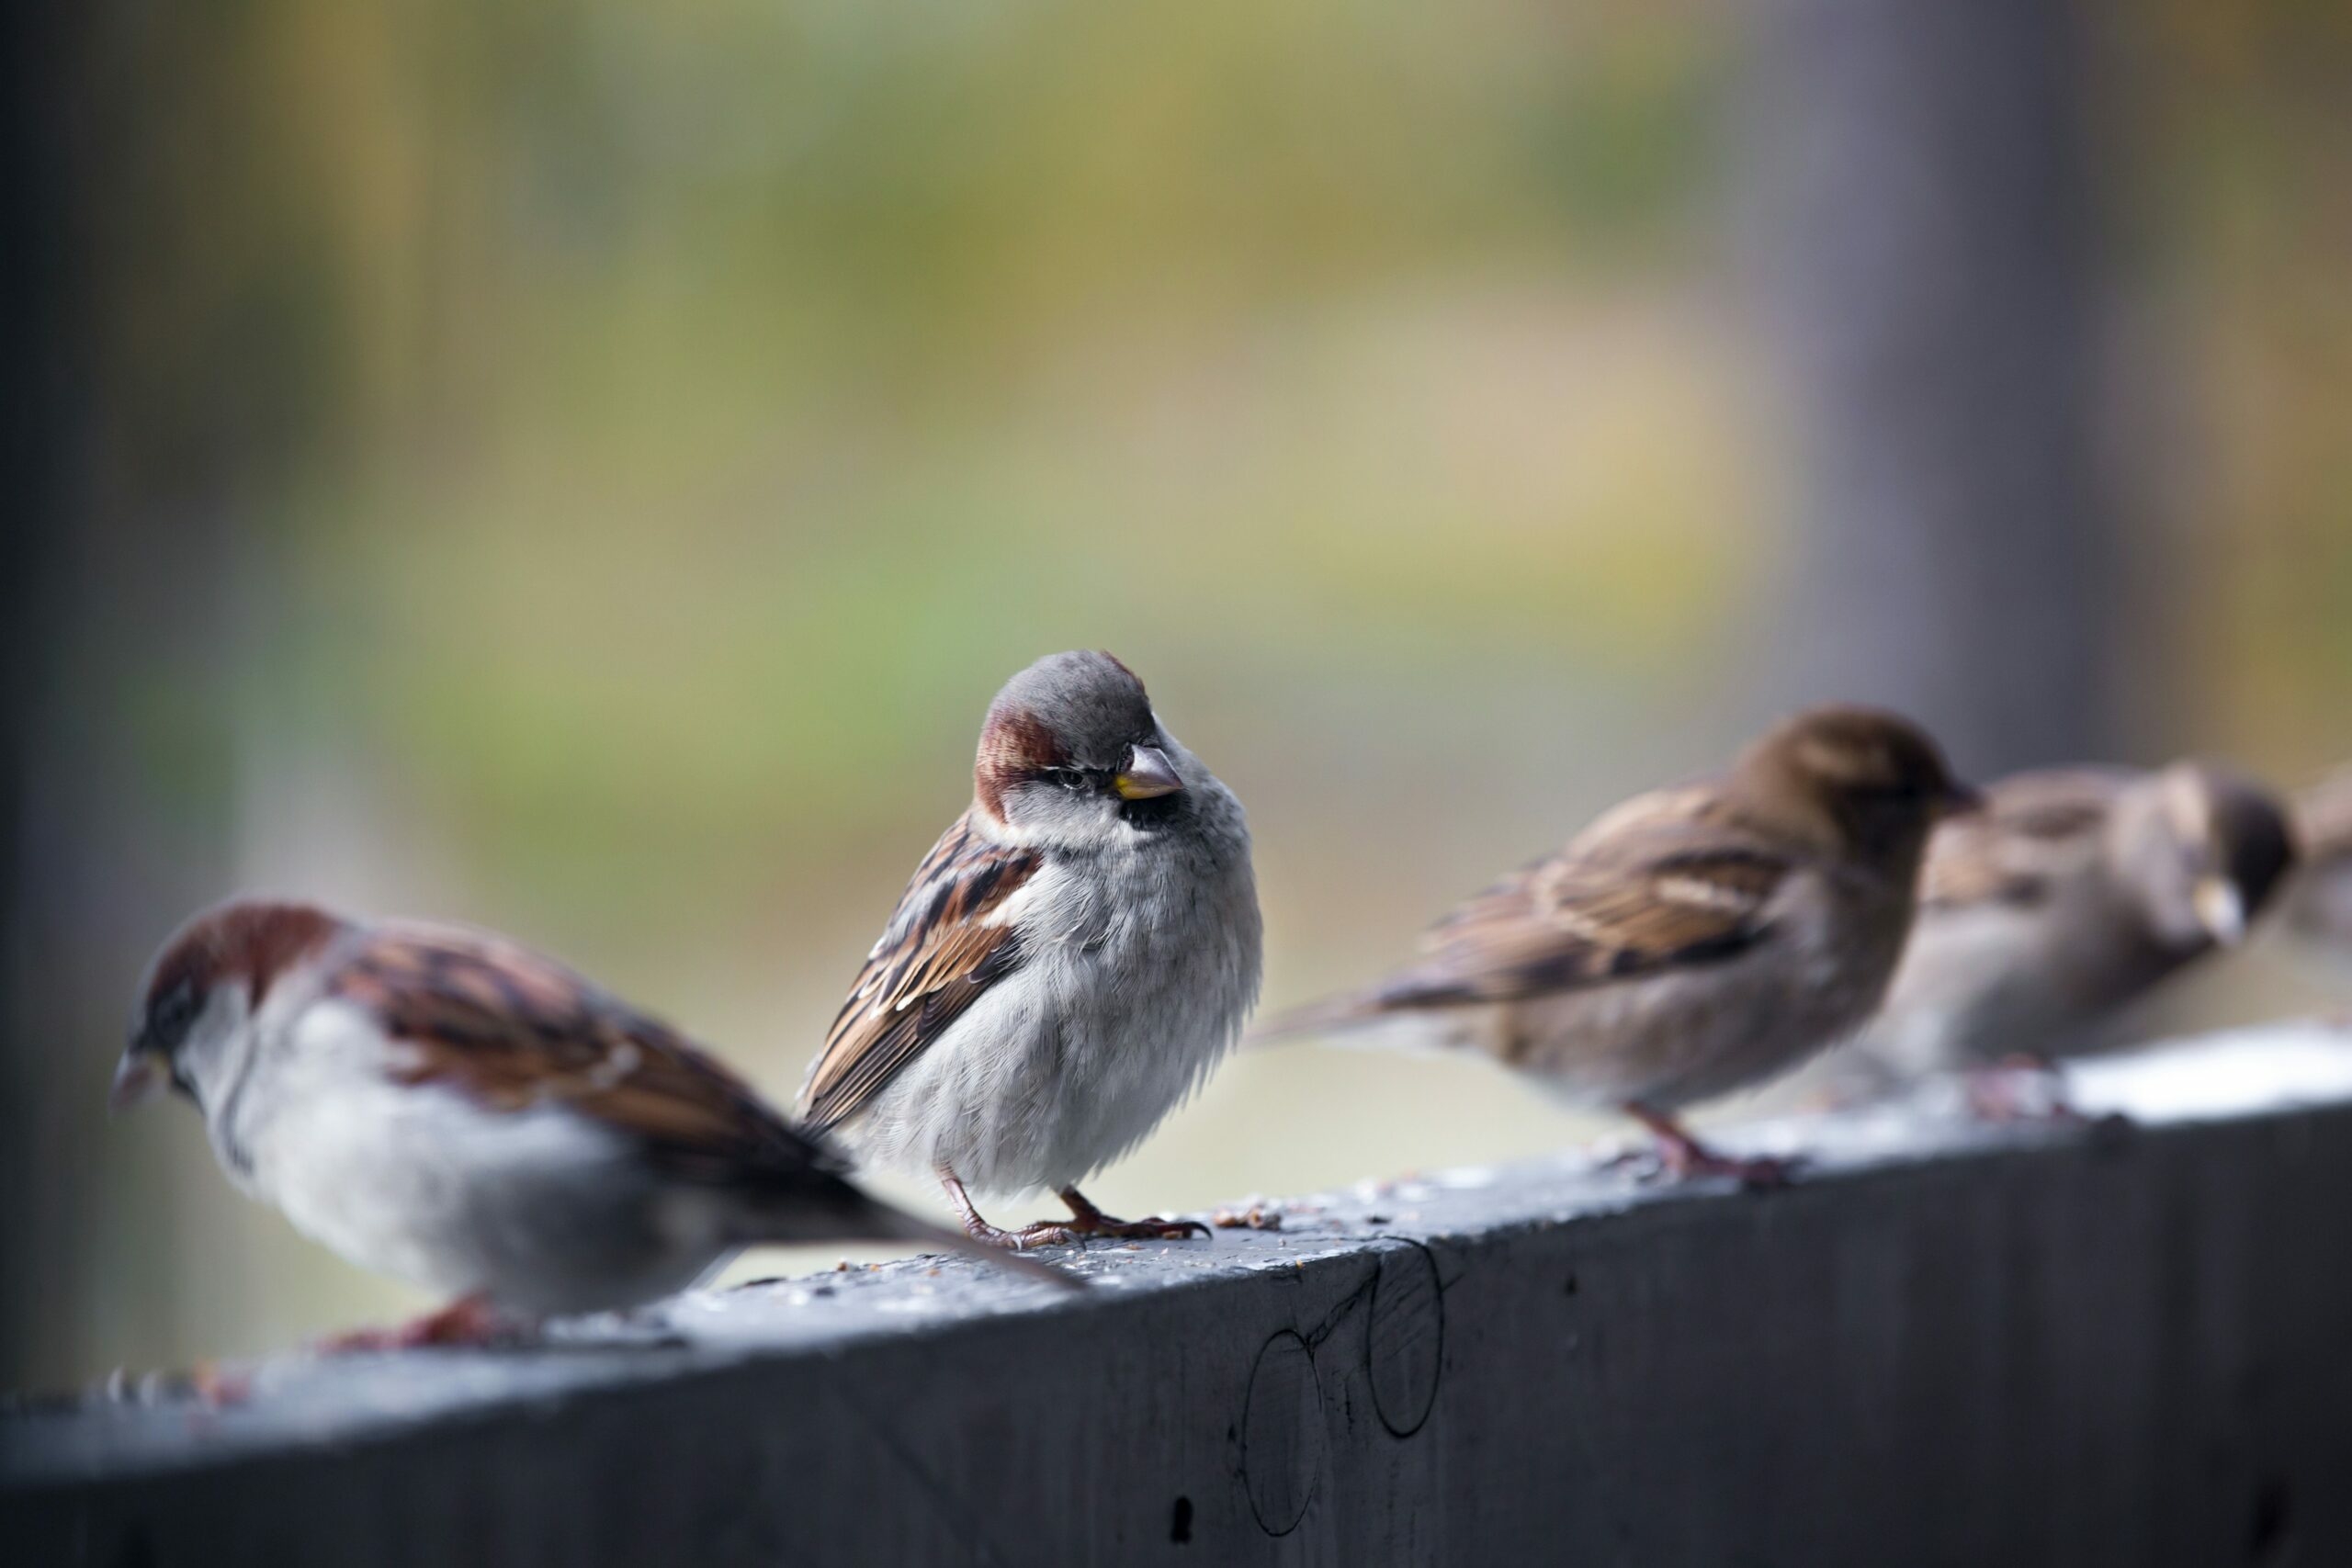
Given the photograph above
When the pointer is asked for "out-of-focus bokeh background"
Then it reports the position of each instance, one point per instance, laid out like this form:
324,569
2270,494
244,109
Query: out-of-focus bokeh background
583,468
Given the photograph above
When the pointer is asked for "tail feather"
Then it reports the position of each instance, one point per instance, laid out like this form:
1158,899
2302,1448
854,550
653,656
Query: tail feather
1332,1015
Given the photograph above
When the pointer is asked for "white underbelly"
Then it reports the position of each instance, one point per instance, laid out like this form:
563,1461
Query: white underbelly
540,1209
1040,1085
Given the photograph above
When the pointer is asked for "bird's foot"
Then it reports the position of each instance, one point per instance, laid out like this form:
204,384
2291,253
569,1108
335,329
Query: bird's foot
217,1385
1059,1232
1086,1220
2020,1088
1694,1160
468,1321
1682,1158
1022,1240
987,1235
1151,1227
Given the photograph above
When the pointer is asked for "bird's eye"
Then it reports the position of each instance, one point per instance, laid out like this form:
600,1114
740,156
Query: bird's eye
1075,780
177,1012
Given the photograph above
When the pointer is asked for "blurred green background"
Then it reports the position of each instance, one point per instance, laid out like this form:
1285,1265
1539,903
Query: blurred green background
584,470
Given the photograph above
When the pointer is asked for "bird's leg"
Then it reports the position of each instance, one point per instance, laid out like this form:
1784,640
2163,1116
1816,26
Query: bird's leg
1087,1220
980,1230
468,1320
1685,1156
2020,1087
217,1385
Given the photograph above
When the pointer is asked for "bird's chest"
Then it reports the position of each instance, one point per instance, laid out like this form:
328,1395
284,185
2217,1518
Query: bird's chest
1848,939
352,1158
323,1147
1142,975
1142,993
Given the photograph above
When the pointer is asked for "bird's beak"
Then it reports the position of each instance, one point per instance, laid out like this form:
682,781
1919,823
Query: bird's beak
140,1079
2221,910
1960,800
1147,775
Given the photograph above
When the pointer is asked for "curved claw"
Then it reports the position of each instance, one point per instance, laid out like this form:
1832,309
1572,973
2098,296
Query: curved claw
1087,1220
1045,1233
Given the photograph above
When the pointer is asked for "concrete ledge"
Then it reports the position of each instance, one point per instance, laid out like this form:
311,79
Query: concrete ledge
1949,1345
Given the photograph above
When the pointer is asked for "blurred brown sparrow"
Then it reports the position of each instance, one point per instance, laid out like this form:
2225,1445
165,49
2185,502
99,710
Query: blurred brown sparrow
444,1106
1070,960
2318,912
2073,893
1695,941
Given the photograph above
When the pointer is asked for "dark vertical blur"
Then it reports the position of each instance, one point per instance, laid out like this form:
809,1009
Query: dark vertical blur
1927,237
38,429
147,375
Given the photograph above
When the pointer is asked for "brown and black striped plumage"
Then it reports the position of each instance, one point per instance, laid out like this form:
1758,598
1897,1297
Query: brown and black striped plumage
1670,894
944,945
513,1029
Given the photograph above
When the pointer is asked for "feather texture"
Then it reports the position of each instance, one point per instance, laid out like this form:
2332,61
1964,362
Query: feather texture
2035,831
513,1030
945,944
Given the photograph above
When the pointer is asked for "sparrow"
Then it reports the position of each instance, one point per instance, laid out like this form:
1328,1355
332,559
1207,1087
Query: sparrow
1692,941
2318,903
2070,894
1070,962
444,1106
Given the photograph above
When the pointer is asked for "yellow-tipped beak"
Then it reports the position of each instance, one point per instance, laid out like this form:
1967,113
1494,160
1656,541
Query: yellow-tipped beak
1147,775
2221,910
141,1077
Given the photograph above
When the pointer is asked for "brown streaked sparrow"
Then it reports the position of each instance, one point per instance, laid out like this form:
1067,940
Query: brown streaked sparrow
444,1106
1694,940
1070,962
2317,915
2072,894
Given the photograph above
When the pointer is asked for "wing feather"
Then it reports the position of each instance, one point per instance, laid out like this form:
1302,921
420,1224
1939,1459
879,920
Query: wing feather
515,1030
1667,892
2034,830
946,944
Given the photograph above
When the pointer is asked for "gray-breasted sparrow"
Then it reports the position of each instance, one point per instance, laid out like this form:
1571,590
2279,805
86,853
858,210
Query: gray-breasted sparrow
2072,894
446,1107
1070,962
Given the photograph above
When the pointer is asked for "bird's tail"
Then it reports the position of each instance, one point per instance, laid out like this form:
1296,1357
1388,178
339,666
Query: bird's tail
1332,1015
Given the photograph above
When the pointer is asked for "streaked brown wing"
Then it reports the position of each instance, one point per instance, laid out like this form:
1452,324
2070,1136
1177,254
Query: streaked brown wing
2034,829
944,947
515,1029
1612,911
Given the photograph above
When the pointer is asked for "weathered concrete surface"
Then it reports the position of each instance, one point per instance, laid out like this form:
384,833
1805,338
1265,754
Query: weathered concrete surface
1949,1345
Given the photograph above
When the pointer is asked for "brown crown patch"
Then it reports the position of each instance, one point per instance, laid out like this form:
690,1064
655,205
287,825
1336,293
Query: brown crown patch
254,938
1858,749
